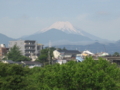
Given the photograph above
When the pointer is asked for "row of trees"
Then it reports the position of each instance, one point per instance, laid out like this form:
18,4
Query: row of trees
86,75
16,55
116,54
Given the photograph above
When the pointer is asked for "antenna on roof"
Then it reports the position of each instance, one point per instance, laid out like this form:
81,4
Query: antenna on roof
76,49
104,48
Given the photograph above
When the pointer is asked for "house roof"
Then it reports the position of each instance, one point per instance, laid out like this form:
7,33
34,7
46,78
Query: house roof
41,44
29,40
30,62
9,61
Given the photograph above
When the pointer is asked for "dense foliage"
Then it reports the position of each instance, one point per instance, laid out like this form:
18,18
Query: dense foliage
86,75
116,54
16,55
46,55
13,77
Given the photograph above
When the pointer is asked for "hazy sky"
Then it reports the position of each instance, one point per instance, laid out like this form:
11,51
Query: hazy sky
25,17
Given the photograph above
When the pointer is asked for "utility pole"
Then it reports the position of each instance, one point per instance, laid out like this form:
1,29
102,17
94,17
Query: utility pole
49,52
49,55
104,48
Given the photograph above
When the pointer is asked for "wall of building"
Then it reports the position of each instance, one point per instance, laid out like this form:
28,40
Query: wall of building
3,51
27,47
19,43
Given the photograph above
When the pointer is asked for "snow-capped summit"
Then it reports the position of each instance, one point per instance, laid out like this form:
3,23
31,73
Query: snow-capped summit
62,33
63,26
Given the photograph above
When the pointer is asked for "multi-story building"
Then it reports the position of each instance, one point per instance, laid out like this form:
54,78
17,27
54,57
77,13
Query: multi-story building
3,50
29,48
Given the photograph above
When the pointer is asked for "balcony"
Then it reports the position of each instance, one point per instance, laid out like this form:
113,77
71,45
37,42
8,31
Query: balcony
27,44
29,49
29,53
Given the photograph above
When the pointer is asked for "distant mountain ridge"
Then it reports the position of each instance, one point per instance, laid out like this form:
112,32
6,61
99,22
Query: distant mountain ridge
5,39
51,34
93,37
96,47
62,26
67,27
54,35
62,32
58,33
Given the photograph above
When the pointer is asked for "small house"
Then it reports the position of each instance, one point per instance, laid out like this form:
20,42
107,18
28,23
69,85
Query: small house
31,64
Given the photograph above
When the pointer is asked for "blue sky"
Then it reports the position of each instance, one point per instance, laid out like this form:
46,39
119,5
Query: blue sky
25,17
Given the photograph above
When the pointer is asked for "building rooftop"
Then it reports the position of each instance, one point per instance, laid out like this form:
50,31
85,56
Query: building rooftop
30,62
9,61
22,40
40,44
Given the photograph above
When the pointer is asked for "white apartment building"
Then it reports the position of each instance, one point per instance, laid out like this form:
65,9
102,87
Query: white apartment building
29,48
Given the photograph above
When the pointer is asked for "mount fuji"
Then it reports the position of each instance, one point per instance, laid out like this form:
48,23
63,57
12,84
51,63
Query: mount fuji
62,33
62,26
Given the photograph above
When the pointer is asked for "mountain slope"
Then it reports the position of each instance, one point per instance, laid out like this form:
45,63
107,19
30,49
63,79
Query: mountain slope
62,26
5,39
67,27
62,32
55,35
93,37
96,47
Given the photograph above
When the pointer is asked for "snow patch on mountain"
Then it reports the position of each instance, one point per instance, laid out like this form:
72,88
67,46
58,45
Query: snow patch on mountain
63,26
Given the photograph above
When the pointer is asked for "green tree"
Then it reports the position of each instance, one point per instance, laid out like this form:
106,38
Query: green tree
13,77
64,48
87,75
44,54
16,55
116,54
